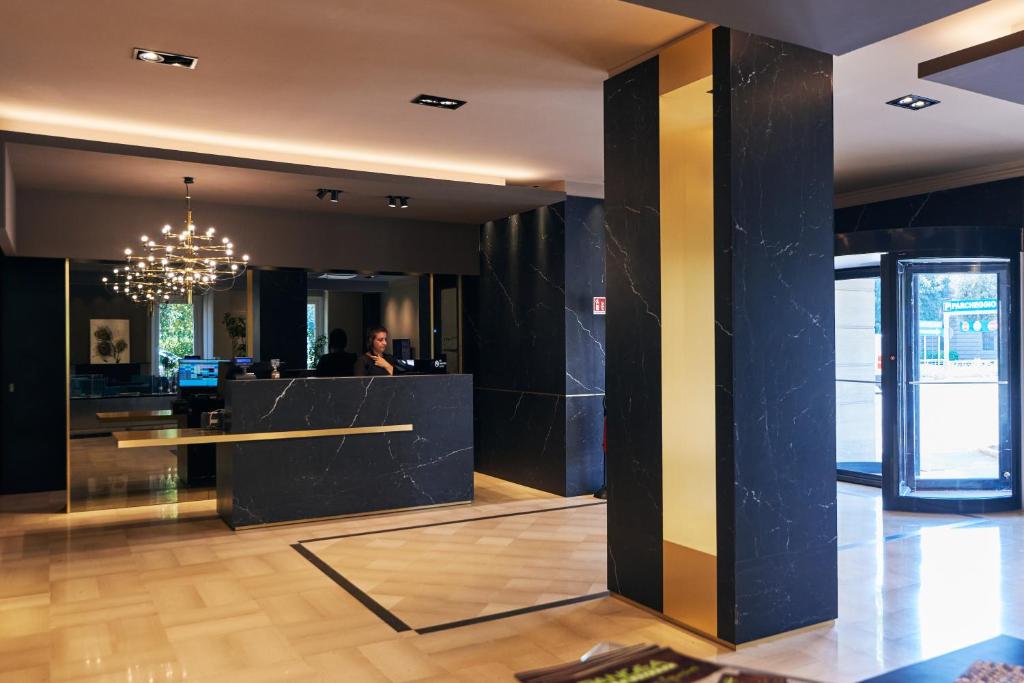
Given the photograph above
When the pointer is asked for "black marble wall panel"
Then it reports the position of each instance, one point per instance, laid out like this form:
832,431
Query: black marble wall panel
33,401
521,329
539,350
632,248
996,204
774,342
584,279
281,297
584,454
521,438
307,478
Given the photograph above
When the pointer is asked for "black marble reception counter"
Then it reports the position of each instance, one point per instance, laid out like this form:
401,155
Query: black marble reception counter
294,479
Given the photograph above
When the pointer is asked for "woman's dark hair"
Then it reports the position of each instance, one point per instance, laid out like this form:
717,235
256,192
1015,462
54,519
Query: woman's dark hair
371,333
338,340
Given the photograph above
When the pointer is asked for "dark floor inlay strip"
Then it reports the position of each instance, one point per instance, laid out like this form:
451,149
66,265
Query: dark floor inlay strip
368,602
452,521
511,613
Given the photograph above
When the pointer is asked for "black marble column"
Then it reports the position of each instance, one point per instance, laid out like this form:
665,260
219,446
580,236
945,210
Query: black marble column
633,257
775,521
280,311
539,357
774,346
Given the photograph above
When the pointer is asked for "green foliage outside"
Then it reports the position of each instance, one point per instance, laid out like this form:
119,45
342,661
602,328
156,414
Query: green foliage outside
933,289
316,345
177,336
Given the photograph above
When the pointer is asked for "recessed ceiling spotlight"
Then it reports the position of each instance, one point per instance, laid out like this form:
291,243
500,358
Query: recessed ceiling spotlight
435,101
168,58
912,102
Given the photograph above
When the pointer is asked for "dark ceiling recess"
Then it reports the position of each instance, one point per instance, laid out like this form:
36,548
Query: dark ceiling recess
833,26
166,58
993,68
440,102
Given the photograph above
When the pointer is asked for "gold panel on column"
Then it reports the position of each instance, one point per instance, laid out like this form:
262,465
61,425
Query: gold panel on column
693,578
687,329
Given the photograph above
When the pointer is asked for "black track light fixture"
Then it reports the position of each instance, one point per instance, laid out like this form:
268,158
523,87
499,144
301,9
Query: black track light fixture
403,202
324,191
392,201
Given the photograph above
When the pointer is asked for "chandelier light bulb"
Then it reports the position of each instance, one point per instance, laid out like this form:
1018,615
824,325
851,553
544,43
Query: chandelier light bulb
245,257
166,229
144,239
127,252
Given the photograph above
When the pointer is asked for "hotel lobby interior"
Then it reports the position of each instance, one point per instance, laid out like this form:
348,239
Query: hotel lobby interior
492,340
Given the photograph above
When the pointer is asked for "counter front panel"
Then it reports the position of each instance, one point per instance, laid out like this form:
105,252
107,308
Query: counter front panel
267,482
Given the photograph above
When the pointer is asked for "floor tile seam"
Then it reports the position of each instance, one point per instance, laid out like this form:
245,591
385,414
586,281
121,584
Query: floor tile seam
450,522
410,516
398,624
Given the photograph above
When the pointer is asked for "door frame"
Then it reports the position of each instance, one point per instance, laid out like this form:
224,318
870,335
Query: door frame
891,500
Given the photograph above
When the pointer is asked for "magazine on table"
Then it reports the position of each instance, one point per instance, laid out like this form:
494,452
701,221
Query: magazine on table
647,664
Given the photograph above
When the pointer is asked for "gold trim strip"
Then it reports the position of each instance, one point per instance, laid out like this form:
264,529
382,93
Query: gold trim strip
67,384
372,513
136,416
459,324
250,327
433,354
185,437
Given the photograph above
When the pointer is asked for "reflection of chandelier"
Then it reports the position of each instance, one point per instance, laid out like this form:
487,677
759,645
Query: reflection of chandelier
182,262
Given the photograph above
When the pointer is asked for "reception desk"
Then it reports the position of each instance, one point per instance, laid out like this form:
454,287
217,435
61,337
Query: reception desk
310,448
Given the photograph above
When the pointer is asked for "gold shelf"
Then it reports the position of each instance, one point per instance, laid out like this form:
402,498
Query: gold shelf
185,437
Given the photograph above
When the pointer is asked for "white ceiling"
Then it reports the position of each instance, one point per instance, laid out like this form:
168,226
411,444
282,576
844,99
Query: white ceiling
877,145
327,83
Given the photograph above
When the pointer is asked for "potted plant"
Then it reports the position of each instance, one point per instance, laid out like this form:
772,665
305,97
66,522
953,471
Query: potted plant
235,325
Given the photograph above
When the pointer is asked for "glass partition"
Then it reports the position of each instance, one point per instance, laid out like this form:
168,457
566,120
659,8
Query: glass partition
858,377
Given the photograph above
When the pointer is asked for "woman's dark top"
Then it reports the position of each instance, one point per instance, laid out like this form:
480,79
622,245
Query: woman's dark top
366,367
336,364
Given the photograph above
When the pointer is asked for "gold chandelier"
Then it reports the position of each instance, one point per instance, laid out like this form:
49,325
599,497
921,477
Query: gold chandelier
178,264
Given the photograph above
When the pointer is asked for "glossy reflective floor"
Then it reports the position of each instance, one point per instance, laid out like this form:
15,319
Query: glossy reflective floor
105,477
169,593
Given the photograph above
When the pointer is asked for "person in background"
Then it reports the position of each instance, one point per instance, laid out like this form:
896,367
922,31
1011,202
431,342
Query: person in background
337,362
375,361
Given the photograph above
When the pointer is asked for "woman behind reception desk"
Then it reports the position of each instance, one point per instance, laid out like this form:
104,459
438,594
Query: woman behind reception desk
375,361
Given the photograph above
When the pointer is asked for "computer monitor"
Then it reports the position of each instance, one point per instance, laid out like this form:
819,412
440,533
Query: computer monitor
198,374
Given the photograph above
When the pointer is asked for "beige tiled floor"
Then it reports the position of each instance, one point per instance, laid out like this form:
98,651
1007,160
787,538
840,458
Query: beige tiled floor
436,575
169,593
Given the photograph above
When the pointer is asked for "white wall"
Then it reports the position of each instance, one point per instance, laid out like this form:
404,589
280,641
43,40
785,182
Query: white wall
231,301
345,310
399,311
